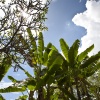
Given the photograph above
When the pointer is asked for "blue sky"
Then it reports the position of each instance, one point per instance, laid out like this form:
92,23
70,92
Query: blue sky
71,20
60,23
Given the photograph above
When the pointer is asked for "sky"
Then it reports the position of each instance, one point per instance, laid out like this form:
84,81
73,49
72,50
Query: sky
71,20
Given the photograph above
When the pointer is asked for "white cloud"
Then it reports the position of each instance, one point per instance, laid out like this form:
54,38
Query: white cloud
4,84
90,20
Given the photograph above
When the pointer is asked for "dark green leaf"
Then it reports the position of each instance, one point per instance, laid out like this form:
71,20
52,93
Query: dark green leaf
73,51
91,60
1,97
52,56
12,89
85,53
31,84
12,79
4,67
64,48
53,67
32,39
40,47
90,70
49,45
45,56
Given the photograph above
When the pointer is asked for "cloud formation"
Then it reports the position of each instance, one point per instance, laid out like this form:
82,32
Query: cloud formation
90,20
4,84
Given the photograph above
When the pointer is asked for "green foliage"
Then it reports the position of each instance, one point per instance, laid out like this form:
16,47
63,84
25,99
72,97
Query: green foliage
85,53
64,48
80,67
91,60
68,71
12,79
24,97
1,97
72,54
31,84
32,39
4,67
40,47
12,89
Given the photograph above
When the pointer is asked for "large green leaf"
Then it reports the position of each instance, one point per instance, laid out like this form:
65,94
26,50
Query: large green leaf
49,45
73,51
90,70
12,79
4,67
32,39
65,65
52,56
91,60
54,48
64,48
46,55
1,97
31,84
53,66
84,53
40,47
12,89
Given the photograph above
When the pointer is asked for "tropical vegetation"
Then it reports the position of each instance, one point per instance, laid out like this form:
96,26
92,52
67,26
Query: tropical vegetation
57,75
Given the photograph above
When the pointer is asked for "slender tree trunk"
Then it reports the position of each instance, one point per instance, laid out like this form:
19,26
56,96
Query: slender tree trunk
31,95
40,94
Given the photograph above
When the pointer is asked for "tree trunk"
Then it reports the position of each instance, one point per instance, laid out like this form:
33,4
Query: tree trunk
40,94
31,95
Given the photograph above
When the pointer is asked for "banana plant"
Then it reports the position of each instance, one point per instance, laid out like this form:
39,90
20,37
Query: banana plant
77,68
65,72
43,61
